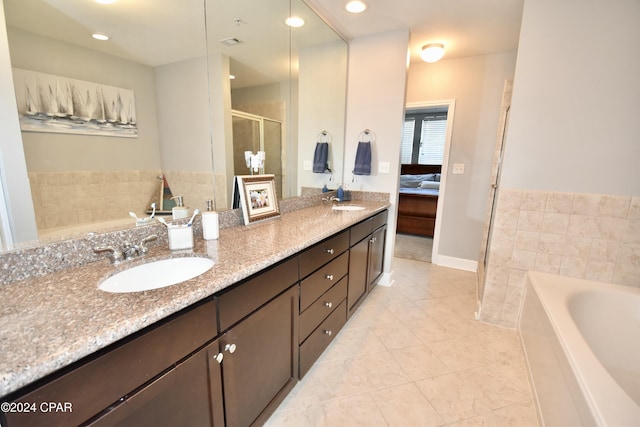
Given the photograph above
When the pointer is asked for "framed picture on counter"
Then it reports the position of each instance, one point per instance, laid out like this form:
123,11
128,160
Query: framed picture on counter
258,198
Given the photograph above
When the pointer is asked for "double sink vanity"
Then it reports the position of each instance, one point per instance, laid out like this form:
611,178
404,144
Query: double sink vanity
222,348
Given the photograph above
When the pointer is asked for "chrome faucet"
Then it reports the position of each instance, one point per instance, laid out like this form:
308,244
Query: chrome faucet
128,251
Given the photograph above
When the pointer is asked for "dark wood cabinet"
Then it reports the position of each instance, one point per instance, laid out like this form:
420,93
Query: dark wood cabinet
366,256
260,364
190,394
228,360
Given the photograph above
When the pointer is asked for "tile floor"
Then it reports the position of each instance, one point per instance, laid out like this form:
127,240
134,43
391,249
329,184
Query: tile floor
413,355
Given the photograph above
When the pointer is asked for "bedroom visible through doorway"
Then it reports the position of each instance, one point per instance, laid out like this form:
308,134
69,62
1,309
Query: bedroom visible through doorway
423,155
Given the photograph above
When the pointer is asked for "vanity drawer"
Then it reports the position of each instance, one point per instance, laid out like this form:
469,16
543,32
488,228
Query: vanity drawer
319,339
323,252
319,310
319,282
239,302
379,220
360,231
98,383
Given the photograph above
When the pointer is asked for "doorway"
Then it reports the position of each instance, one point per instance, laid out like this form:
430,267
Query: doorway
435,122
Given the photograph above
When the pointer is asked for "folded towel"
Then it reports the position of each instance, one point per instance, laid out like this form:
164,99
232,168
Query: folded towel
363,159
321,158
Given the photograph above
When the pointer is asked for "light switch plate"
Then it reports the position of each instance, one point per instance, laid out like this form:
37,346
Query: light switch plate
384,167
458,168
307,165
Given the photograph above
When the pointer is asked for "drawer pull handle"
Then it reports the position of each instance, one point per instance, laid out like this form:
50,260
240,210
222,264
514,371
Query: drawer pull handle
328,332
328,276
328,304
329,251
231,348
218,357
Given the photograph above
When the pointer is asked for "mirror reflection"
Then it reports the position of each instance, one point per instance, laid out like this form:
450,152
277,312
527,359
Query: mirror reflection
193,121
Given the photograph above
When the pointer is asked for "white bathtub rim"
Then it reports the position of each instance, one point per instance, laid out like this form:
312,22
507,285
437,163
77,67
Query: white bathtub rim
594,380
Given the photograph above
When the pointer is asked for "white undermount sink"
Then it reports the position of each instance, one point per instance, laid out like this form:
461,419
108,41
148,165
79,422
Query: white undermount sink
347,208
156,274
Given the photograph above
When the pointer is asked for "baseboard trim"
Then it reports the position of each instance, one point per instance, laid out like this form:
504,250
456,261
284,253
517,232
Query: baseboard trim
457,263
385,279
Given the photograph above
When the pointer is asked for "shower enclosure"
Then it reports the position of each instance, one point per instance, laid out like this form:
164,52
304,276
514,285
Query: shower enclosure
256,133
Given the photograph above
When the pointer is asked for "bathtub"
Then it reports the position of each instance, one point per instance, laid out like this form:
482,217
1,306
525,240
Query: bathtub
581,340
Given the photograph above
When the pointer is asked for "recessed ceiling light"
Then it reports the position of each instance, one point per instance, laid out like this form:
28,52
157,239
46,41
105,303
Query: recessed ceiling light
105,1
356,6
99,36
232,77
294,21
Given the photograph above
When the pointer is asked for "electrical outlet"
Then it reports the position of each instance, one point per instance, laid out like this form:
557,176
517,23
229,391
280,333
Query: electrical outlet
307,165
458,168
383,167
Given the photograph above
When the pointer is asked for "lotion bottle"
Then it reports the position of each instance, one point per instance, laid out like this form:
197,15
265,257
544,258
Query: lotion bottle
179,211
210,224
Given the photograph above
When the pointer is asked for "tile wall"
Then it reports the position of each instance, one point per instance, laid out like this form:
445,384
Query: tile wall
591,236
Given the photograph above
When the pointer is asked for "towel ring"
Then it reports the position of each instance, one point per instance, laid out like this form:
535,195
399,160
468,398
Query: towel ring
326,136
366,134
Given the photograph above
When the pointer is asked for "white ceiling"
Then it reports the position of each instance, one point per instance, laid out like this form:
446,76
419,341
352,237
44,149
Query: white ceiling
466,27
157,32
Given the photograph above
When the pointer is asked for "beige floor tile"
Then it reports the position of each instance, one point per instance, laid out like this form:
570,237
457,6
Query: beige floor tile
405,405
414,355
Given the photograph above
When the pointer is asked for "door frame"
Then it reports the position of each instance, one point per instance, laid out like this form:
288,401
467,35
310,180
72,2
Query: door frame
450,104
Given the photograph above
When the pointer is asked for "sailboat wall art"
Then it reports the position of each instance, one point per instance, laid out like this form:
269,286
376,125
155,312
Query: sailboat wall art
49,103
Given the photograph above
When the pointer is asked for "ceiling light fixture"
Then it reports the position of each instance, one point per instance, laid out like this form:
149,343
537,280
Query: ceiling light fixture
356,6
432,52
294,21
99,36
105,1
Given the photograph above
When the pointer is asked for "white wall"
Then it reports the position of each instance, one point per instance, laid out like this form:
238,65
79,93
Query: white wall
375,100
183,115
321,86
13,167
574,118
63,152
476,84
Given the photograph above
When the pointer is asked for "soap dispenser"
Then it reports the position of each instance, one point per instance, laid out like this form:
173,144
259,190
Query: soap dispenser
179,211
210,224
340,194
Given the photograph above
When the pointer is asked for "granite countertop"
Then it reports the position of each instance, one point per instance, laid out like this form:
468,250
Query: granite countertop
51,321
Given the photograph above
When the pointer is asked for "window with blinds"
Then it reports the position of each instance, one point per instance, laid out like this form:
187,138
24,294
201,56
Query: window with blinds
423,138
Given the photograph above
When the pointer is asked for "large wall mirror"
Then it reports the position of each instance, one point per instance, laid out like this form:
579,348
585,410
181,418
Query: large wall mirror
193,120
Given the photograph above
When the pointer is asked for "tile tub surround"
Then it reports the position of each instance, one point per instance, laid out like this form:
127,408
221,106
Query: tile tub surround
58,318
588,236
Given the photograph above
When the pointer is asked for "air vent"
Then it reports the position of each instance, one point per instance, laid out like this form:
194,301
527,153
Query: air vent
231,41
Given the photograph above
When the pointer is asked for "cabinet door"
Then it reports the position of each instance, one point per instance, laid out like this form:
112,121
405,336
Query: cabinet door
189,395
376,255
260,363
358,256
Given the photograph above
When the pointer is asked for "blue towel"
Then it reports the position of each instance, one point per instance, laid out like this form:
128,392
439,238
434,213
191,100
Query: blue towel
321,158
363,159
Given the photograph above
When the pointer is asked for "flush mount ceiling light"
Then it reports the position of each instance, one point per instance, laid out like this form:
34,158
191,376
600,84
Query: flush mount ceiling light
356,6
294,21
99,36
105,1
432,52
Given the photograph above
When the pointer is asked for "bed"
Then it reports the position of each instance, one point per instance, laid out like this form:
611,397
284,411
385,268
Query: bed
418,199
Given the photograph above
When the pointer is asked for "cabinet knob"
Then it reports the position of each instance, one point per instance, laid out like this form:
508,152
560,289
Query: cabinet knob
372,240
328,304
328,332
218,357
329,251
328,276
231,348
